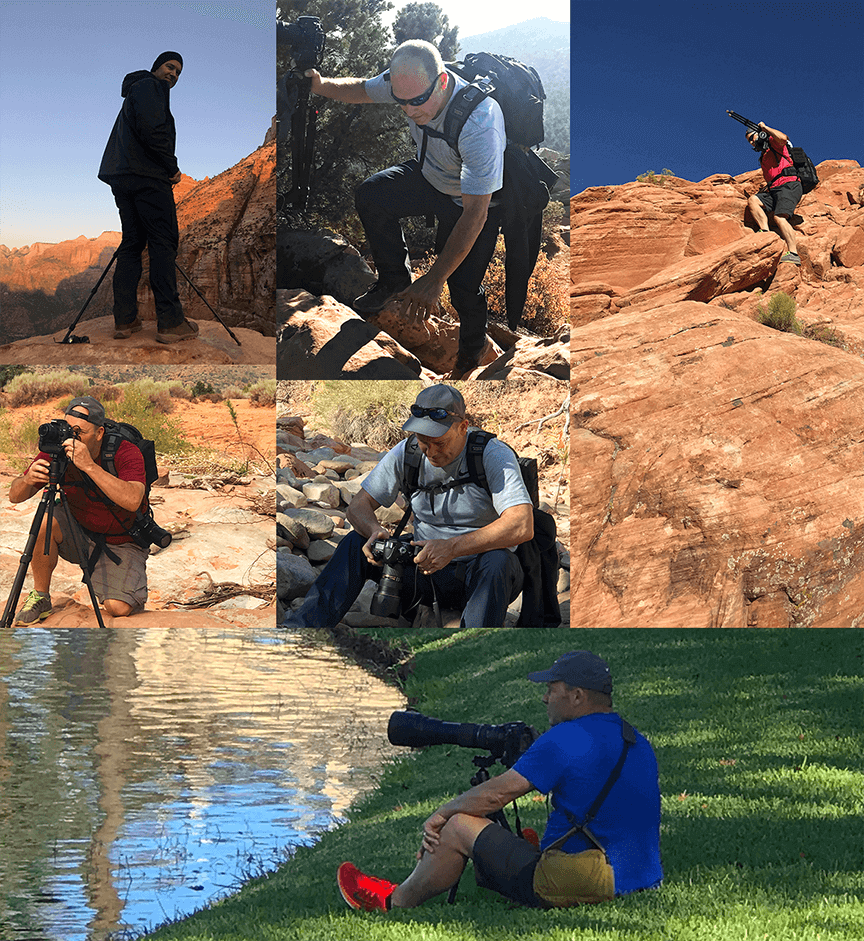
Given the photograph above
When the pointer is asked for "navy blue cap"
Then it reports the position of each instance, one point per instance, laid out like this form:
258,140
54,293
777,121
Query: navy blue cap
577,668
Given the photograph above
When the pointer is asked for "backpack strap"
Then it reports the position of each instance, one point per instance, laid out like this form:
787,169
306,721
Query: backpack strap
459,110
628,734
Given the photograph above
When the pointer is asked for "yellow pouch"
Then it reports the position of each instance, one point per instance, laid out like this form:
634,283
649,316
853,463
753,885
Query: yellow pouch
563,879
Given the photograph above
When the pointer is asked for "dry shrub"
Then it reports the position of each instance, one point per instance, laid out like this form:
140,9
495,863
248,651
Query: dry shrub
544,313
263,393
365,410
30,388
106,393
235,392
178,391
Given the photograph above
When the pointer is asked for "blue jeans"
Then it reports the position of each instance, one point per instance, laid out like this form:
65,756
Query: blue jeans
483,586
402,191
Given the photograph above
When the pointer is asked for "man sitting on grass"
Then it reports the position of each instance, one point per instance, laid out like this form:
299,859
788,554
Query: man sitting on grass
573,762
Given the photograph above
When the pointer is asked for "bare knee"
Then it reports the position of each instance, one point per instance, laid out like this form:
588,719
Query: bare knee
461,830
117,609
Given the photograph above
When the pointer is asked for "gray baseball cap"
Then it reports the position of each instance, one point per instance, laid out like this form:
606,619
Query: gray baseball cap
95,413
438,397
577,668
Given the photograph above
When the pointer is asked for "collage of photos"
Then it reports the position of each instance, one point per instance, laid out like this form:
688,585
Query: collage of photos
332,397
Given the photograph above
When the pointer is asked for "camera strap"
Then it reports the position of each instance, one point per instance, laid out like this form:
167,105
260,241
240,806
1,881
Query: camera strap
628,734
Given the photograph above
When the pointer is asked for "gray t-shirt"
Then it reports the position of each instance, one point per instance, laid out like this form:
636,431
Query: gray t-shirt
464,508
478,168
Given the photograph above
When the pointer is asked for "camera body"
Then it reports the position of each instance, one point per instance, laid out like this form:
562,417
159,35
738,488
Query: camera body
506,742
146,532
395,554
306,40
52,435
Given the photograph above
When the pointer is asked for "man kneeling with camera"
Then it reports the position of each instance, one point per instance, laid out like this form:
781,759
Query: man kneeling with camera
119,576
462,554
602,838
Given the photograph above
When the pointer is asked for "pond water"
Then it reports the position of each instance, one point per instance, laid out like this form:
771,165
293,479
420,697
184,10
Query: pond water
146,772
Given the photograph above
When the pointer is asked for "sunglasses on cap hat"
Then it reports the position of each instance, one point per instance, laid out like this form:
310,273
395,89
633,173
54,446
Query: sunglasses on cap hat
420,99
436,414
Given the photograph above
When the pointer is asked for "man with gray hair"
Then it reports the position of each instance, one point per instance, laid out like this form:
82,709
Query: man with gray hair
457,186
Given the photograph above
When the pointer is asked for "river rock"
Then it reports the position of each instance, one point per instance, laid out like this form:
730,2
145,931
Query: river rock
294,575
321,550
287,496
318,524
322,490
291,531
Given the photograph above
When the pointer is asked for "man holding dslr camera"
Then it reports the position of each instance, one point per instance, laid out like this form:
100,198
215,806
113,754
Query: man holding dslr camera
587,746
464,538
121,586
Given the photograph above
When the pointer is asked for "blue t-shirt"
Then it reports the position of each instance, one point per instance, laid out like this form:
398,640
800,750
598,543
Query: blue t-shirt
572,761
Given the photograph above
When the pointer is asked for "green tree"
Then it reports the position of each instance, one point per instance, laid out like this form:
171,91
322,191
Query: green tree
427,21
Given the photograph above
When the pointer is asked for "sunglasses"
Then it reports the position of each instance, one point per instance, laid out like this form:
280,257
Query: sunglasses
420,99
436,414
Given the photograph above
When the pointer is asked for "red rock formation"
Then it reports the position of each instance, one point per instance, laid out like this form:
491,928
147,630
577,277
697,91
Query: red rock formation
42,265
716,462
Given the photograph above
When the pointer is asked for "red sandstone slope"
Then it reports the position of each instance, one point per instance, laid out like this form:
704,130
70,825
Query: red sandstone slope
717,464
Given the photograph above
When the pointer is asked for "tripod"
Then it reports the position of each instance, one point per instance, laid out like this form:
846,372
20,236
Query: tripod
56,471
760,134
70,339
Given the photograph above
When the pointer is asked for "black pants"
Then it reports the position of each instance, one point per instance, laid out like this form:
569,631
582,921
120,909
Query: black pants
149,220
402,191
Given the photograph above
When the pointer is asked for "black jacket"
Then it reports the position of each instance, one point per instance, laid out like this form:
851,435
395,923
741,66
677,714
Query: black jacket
143,138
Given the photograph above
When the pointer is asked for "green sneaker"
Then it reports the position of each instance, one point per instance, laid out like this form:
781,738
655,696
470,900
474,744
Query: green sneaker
36,608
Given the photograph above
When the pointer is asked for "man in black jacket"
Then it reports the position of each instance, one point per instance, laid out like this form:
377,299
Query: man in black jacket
140,167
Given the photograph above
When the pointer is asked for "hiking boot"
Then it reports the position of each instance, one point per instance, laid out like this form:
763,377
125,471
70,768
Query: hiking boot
465,364
188,330
793,257
37,607
362,891
123,331
378,297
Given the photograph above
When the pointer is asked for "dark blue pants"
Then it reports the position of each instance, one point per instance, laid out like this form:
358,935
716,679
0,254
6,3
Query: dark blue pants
481,587
402,191
149,220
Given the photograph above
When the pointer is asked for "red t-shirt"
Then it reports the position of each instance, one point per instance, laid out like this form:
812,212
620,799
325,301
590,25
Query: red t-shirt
89,510
776,165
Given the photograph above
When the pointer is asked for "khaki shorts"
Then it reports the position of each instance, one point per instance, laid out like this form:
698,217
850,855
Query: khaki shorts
562,879
124,582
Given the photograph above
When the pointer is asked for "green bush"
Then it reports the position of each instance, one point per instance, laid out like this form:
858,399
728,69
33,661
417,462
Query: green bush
651,177
202,388
138,409
31,388
20,442
365,410
780,314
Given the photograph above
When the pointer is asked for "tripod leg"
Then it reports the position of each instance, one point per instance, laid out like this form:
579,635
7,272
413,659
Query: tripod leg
23,565
75,536
90,297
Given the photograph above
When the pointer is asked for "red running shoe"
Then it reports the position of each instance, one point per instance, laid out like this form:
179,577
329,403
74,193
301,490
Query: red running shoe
530,834
362,891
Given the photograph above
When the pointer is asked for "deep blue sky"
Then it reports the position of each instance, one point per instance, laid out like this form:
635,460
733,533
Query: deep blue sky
651,83
61,66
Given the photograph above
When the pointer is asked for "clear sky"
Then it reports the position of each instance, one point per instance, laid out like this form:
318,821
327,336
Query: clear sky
651,83
483,16
61,66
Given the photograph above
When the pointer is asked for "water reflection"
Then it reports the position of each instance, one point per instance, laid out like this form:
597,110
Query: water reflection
143,772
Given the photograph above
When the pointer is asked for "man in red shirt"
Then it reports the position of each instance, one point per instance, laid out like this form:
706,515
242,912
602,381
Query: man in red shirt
782,191
120,585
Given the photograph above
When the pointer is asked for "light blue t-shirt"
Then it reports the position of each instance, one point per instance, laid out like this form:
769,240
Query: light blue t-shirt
478,168
464,508
572,761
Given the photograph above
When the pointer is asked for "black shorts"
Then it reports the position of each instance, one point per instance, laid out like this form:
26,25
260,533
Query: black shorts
782,200
505,863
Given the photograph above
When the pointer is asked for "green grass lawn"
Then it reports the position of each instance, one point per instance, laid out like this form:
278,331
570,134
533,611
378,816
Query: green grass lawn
758,737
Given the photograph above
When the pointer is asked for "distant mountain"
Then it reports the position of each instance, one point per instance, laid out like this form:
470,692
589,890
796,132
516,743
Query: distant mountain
543,44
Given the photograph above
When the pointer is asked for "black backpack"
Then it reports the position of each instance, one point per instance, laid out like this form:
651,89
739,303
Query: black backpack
538,556
804,168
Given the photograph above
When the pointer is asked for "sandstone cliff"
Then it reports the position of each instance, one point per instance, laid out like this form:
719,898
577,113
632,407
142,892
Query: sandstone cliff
717,463
227,247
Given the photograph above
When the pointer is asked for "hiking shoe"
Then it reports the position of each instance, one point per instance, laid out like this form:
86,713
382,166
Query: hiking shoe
37,607
791,256
123,331
362,891
188,330
378,297
465,364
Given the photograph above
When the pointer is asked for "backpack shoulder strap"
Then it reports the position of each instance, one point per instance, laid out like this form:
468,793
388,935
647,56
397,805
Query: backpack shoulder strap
410,478
463,102
477,441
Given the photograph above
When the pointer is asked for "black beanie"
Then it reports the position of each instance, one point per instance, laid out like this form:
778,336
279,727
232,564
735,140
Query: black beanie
165,57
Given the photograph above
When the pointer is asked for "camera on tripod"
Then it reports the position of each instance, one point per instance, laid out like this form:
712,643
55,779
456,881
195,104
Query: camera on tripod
52,435
305,38
506,742
395,554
